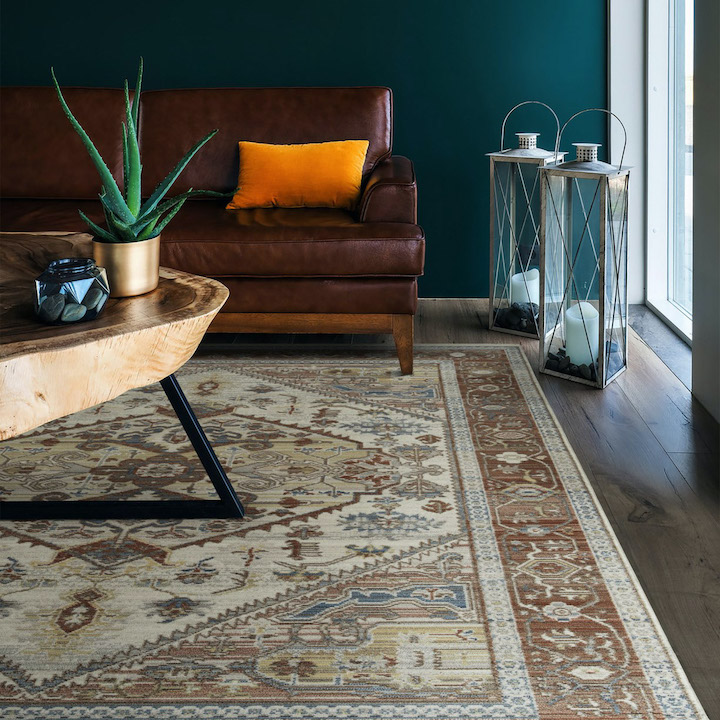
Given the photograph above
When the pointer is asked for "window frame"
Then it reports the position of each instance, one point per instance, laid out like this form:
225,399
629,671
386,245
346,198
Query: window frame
660,160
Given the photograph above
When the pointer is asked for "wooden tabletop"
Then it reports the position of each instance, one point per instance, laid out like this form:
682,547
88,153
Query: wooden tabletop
48,371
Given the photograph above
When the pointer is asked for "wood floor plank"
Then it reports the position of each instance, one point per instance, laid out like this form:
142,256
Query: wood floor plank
671,537
663,341
705,682
696,627
699,469
678,421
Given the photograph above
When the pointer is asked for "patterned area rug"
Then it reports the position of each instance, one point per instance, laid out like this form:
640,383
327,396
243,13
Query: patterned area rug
415,547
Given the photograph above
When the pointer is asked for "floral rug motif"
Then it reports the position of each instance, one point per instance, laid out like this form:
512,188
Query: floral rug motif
415,547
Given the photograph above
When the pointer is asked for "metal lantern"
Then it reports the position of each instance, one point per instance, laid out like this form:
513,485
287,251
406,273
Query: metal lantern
583,264
515,231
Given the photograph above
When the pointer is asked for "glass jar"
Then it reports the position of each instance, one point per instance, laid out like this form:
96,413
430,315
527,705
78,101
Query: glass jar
70,290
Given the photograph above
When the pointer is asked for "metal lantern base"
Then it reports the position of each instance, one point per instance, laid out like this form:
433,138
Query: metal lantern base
582,381
524,313
518,333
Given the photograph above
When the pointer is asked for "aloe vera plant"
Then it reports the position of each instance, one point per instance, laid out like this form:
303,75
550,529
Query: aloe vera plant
128,219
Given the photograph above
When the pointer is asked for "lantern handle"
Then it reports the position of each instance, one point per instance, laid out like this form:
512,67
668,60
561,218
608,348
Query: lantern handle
527,102
622,125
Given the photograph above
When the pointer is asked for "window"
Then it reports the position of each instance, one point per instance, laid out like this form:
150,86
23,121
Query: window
670,161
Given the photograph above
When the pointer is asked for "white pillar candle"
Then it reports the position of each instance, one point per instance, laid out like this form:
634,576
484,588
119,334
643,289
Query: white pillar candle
525,287
582,324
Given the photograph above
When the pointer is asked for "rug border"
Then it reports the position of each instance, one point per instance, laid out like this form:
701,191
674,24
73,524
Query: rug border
682,676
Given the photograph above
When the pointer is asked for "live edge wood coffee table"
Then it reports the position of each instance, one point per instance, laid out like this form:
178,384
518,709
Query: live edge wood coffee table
47,371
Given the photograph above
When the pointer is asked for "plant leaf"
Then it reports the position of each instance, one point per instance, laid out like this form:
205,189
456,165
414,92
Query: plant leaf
210,193
126,166
148,230
170,203
136,96
132,191
108,222
117,227
104,234
164,186
152,217
108,181
161,225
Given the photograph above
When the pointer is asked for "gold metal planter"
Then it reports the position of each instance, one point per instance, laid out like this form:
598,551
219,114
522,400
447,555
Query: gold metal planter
132,268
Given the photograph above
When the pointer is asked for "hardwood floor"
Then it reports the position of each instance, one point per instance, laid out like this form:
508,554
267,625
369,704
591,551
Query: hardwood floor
651,453
673,351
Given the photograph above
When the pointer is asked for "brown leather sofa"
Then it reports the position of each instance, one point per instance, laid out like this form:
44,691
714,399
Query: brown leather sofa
288,270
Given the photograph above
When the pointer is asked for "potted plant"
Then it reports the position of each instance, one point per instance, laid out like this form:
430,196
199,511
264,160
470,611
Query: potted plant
129,246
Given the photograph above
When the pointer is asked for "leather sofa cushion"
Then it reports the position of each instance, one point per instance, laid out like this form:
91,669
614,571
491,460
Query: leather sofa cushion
48,215
207,240
321,295
42,156
171,121
271,242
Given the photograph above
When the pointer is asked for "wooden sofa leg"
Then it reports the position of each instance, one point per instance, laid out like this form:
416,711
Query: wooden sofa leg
402,330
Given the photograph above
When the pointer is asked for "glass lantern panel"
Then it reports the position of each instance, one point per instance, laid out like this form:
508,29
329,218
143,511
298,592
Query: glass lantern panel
555,217
503,213
582,322
584,244
527,190
573,276
616,277
516,271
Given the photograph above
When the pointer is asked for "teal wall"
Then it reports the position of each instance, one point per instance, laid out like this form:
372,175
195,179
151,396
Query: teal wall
455,66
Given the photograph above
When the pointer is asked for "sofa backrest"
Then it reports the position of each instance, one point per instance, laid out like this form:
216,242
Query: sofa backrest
171,121
41,155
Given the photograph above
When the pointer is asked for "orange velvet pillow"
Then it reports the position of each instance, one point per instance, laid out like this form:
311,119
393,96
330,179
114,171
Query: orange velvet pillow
325,174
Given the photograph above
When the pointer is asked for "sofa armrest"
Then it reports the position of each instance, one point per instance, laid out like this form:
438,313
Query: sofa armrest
391,193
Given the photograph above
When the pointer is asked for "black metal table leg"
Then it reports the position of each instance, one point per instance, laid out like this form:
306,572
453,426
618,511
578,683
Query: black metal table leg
227,506
202,446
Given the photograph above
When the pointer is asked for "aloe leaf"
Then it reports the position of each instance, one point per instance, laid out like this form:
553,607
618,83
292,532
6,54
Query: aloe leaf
108,222
164,186
208,193
117,227
132,191
106,212
170,203
148,230
114,195
104,234
162,224
163,207
118,210
126,166
136,96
